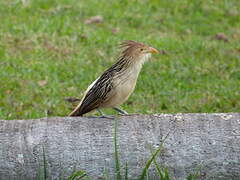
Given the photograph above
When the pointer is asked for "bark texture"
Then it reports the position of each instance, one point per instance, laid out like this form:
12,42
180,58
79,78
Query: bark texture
209,142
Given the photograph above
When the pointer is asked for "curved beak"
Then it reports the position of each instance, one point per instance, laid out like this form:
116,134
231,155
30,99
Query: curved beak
153,50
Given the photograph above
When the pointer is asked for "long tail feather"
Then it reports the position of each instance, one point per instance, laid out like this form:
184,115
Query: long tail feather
76,111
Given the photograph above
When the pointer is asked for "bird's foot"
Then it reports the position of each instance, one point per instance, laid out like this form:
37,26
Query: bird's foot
132,114
103,116
108,117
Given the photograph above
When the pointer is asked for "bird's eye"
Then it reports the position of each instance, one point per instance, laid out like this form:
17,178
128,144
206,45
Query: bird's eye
141,49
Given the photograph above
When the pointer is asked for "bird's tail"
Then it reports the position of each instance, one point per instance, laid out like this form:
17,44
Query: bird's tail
76,111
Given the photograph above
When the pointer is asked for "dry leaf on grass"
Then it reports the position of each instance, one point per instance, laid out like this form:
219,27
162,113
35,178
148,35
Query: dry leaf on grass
100,52
115,30
83,36
94,19
42,83
71,88
221,37
161,20
8,91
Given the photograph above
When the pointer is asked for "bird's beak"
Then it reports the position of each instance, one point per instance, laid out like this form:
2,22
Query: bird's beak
153,50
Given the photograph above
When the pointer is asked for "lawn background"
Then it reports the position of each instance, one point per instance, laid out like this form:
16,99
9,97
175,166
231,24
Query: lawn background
48,53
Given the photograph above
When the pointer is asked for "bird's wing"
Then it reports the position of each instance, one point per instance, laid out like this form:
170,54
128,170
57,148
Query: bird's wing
97,93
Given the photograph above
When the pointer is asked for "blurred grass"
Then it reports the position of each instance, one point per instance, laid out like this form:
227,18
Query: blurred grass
47,53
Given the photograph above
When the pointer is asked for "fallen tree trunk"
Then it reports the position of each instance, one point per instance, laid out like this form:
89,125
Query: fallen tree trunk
210,142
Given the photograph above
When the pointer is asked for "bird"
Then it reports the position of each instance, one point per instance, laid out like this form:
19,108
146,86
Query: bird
117,83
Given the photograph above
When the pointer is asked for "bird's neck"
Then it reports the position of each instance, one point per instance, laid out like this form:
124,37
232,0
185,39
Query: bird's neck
137,64
134,66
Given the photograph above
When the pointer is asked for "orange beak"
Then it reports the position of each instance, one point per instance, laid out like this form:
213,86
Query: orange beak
153,50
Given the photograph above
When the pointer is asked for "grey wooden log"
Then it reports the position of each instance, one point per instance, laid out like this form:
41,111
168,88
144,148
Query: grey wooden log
210,142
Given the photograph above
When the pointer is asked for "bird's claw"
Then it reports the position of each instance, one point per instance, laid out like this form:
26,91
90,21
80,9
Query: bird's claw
103,116
132,114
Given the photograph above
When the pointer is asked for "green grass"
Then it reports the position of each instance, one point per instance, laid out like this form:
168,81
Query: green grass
47,53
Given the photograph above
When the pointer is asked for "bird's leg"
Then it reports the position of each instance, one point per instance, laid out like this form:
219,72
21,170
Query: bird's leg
100,112
103,115
122,112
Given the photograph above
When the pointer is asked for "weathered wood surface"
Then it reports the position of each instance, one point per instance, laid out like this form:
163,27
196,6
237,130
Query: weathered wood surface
211,141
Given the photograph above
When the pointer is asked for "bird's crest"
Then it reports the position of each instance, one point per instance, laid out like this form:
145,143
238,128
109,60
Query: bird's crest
130,43
128,46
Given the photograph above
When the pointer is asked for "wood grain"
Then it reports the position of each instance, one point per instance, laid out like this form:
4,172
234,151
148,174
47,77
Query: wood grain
211,141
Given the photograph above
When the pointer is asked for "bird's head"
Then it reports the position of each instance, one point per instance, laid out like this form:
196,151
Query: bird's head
136,50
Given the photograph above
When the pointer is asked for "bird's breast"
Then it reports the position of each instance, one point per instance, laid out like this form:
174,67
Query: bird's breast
124,85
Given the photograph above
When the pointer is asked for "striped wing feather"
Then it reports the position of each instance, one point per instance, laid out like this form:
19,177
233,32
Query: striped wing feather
97,94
